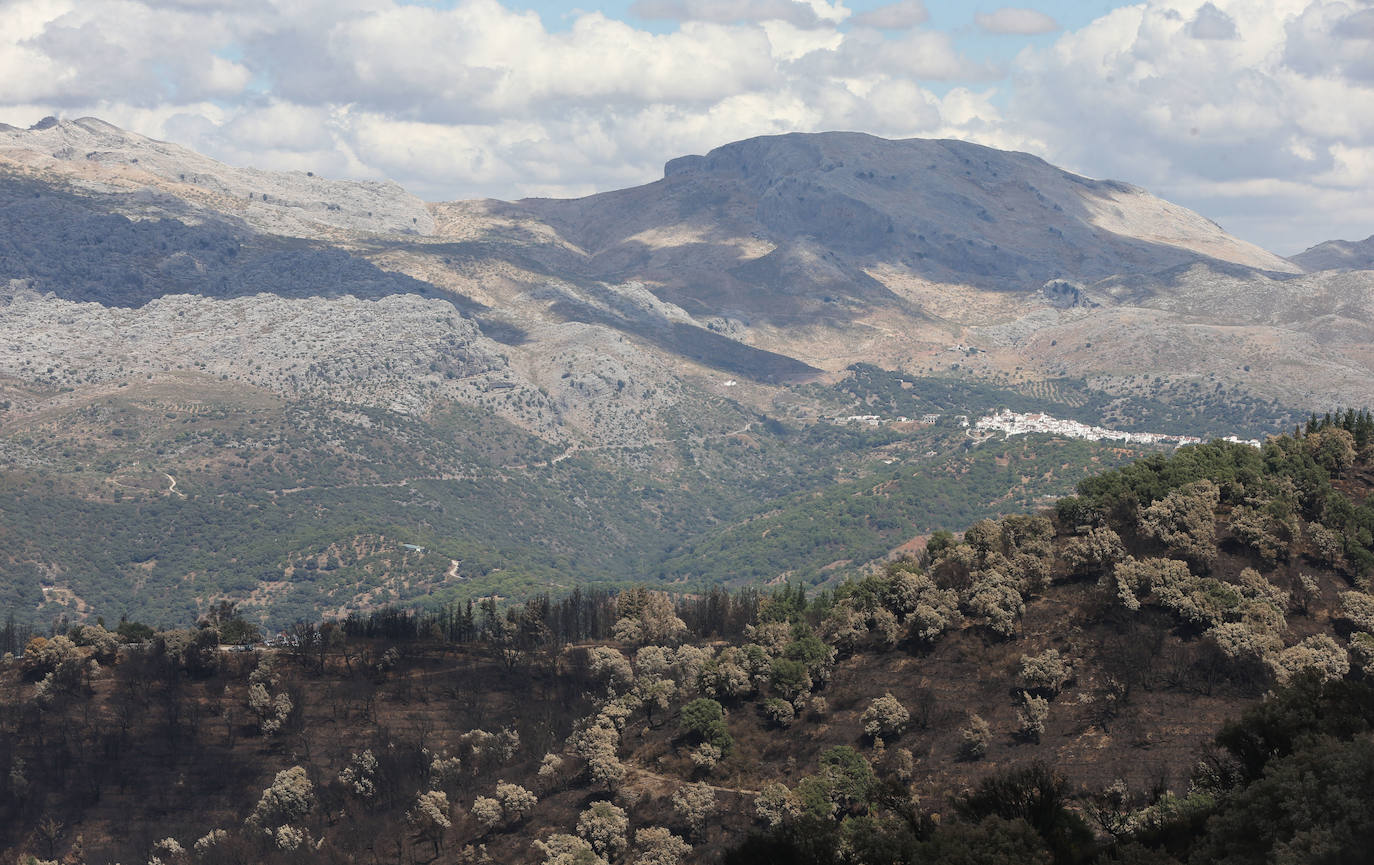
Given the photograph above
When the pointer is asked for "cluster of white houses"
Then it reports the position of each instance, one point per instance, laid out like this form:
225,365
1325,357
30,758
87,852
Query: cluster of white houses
1012,424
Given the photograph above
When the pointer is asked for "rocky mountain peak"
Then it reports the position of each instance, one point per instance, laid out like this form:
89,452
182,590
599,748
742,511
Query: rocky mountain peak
101,157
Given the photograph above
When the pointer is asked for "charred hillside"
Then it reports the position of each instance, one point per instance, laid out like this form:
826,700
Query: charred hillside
1083,684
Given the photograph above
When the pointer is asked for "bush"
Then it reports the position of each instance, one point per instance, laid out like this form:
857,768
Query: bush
1039,796
776,805
885,717
977,735
780,712
1319,654
703,719
695,803
1032,715
604,826
1044,673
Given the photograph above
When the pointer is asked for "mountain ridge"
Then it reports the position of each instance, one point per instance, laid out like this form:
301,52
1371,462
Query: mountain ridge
1338,255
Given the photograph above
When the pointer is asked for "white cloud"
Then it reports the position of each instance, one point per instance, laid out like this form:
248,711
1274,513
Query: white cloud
478,99
1212,23
1014,20
902,15
1285,107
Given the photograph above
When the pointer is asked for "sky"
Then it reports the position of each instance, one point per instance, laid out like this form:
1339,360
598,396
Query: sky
1259,114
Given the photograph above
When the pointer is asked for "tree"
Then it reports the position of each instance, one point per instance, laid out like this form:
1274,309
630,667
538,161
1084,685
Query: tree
359,776
655,695
487,812
561,849
1094,553
1333,448
1044,673
551,768
1318,654
611,667
695,803
290,797
430,817
597,744
776,805
604,825
104,644
884,717
1185,521
1032,715
647,617
655,845
977,735
844,784
1315,805
997,598
1358,609
515,801
703,720
273,710
789,677
780,712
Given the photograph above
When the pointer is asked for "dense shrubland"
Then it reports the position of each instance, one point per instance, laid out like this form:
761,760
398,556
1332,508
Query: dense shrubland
1041,688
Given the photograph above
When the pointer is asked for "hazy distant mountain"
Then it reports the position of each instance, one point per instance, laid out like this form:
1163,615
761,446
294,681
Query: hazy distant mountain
1338,255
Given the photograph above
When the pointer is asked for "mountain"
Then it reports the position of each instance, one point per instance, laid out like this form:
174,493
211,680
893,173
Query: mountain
1338,255
791,218
218,382
100,157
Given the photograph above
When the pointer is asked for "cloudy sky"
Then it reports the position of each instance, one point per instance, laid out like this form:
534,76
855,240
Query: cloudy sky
1257,113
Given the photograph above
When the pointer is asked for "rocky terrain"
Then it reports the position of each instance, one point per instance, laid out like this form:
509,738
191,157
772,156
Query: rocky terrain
776,259
679,343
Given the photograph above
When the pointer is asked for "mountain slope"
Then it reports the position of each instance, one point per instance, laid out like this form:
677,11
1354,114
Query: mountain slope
1173,666
1338,255
802,214
101,157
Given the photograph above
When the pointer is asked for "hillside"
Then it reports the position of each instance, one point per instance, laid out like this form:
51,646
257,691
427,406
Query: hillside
648,382
1338,255
1145,672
